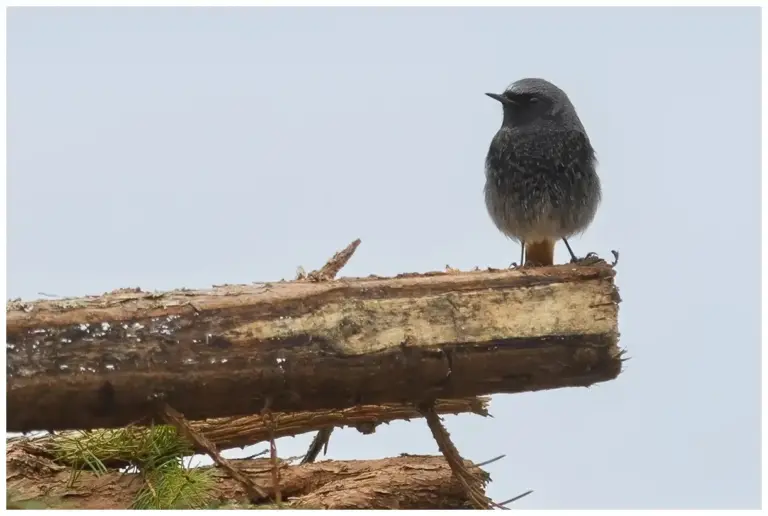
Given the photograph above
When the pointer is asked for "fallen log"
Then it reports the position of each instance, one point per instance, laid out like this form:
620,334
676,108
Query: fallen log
100,361
406,482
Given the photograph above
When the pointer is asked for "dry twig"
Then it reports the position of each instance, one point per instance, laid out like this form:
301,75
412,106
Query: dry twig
320,442
173,417
268,416
514,499
471,483
490,461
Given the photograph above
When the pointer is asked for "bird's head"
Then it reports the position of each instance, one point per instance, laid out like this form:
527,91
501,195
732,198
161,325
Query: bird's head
535,102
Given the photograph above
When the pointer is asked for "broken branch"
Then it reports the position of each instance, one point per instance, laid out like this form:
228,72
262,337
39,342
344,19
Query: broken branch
329,271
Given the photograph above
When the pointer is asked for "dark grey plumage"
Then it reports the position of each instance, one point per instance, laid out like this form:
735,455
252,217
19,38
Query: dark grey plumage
541,182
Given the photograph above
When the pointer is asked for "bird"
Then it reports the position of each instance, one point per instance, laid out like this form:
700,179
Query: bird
541,182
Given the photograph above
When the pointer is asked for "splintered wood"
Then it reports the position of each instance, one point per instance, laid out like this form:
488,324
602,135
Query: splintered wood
98,362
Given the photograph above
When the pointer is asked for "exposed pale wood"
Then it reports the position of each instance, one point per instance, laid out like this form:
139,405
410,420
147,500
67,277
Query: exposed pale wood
96,362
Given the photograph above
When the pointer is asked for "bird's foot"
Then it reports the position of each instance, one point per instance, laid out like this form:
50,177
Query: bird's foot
590,259
594,259
615,257
526,265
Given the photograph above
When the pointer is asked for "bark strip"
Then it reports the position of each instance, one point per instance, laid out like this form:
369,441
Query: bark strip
407,482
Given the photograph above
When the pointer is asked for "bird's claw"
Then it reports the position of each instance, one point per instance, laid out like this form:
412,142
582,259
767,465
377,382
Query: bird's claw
590,259
594,259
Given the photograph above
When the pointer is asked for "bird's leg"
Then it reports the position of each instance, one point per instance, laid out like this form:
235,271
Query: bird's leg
513,265
590,259
573,256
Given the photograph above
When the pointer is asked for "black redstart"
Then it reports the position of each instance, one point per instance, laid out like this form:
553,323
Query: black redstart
541,184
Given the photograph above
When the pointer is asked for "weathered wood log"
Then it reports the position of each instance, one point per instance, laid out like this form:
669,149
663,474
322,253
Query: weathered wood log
98,362
407,482
238,432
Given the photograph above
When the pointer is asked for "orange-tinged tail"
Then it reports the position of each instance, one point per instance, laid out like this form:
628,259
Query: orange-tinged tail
540,253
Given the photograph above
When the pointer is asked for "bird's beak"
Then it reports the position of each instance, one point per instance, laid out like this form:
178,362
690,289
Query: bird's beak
501,98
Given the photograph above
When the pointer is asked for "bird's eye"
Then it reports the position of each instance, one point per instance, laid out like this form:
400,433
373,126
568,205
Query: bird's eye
533,100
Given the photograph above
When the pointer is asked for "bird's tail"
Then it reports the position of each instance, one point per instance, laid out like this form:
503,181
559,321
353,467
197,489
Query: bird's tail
540,253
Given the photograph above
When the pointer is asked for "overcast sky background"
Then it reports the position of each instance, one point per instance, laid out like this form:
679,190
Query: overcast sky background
172,148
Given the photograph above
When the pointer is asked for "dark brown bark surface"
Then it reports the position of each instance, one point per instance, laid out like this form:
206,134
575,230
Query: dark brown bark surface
98,362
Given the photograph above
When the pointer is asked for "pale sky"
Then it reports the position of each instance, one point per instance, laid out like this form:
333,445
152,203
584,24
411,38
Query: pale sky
170,148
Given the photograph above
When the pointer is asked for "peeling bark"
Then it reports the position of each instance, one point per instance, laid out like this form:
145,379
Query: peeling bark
97,362
406,482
